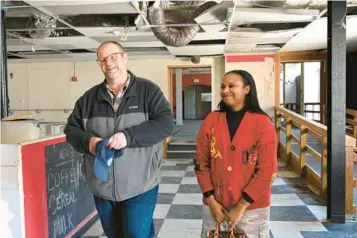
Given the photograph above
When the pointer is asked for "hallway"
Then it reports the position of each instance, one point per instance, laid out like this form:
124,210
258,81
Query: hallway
295,211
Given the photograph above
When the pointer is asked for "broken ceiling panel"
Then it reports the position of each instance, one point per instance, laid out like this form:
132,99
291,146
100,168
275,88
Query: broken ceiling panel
256,15
214,19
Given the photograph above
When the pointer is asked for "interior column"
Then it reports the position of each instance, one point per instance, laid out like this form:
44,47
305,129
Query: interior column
179,114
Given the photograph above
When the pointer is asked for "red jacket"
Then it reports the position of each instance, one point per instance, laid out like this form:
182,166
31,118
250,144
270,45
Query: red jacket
248,163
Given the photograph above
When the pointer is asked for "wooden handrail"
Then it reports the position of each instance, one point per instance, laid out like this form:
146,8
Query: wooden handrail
352,122
318,182
351,112
317,127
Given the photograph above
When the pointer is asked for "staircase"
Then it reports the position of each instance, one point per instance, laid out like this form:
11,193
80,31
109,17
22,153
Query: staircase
181,150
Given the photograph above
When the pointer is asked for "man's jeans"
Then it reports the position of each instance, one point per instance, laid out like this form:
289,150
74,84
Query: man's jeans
131,218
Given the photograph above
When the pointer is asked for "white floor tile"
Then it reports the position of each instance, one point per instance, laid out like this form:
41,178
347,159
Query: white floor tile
188,199
279,181
168,188
179,228
286,200
161,211
177,161
189,180
190,168
169,173
168,163
284,229
320,212
288,174
95,230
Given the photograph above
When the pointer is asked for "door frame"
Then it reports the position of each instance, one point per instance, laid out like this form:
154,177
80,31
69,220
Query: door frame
170,79
309,56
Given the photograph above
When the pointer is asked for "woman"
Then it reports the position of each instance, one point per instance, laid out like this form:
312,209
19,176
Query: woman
236,160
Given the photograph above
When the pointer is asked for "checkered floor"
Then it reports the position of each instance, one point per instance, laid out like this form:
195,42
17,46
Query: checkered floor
295,212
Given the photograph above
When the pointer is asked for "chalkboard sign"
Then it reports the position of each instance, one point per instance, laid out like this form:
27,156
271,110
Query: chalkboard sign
68,198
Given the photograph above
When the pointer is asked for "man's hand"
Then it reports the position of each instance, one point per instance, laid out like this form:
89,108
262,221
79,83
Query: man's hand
92,144
217,210
236,214
117,141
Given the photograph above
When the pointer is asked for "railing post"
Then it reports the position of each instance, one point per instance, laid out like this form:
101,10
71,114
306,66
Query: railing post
350,182
277,123
303,140
164,145
288,139
324,168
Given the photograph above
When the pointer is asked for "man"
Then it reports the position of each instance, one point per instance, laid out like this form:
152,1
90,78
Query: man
130,114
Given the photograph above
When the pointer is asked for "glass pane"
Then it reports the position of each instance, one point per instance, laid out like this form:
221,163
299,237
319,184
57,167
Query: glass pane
292,86
312,89
281,83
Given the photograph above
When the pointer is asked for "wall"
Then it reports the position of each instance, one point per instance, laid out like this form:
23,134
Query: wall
351,81
188,80
218,70
48,85
262,69
11,188
292,86
202,108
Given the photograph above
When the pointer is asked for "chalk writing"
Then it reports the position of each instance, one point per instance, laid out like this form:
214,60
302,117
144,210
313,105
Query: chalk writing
63,177
62,200
69,200
62,224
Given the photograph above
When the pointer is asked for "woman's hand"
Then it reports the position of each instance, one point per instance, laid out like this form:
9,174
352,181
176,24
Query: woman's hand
217,210
237,212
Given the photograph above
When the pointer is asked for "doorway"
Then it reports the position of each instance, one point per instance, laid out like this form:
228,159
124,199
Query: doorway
190,93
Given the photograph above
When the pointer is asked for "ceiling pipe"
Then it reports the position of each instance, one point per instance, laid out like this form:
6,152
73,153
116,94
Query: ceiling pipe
172,36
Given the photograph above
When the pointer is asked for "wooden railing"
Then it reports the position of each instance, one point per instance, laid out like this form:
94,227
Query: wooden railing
310,108
351,122
287,122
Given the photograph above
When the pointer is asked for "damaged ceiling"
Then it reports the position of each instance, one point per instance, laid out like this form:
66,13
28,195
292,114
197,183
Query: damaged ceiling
72,30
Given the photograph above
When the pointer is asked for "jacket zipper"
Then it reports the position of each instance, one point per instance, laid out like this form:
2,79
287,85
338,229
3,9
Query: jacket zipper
111,105
117,114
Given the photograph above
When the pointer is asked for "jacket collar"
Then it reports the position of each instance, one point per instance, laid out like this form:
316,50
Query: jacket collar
129,92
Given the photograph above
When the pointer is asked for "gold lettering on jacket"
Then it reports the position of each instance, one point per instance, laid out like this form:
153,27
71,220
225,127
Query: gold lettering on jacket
214,152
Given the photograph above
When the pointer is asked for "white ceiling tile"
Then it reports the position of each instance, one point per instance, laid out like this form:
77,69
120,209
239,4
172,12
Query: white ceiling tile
77,41
109,31
87,7
150,38
210,36
258,15
26,47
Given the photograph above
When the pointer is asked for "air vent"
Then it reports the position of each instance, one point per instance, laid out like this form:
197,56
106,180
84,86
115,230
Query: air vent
14,57
81,51
208,42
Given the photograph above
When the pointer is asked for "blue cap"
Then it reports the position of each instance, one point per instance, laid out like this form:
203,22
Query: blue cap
104,159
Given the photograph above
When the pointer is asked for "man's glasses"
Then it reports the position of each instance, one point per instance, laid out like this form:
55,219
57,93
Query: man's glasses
111,58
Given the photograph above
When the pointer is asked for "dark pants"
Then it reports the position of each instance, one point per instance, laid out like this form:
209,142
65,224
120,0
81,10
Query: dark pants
131,218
